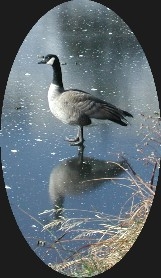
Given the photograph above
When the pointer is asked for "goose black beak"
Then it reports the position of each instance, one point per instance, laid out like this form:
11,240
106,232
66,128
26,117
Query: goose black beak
42,61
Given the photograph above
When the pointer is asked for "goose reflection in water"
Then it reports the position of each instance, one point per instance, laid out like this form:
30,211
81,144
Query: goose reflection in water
78,175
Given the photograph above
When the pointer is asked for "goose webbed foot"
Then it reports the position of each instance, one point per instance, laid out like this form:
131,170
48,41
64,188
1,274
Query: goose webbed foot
72,140
75,141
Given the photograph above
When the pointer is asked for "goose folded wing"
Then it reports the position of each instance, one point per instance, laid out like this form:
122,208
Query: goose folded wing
99,109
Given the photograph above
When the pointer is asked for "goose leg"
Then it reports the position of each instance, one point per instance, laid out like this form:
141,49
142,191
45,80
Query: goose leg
78,141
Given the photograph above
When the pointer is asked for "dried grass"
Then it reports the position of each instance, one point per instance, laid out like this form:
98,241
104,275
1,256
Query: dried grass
114,238
116,234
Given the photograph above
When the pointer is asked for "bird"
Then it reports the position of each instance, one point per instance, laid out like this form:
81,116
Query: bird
77,107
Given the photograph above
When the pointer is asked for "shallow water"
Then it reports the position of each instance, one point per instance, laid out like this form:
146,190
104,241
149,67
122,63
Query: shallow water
100,55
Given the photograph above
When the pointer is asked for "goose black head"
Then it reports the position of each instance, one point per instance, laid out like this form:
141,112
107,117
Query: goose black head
48,59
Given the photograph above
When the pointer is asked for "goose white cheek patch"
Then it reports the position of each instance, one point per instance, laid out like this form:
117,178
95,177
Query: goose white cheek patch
51,61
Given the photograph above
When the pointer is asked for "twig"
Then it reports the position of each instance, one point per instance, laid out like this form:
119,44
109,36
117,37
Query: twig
153,173
151,188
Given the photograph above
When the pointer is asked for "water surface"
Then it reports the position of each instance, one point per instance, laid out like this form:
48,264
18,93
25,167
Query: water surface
100,55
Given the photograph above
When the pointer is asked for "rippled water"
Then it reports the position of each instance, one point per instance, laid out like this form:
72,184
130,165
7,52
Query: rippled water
100,55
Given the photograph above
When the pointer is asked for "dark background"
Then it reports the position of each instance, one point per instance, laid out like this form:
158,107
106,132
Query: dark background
16,20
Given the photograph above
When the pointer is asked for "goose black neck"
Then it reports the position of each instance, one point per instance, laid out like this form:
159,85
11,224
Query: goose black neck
57,74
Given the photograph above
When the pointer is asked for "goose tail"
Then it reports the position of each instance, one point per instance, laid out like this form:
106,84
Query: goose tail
127,114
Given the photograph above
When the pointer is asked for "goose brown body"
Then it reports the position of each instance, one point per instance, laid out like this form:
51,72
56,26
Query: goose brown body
76,107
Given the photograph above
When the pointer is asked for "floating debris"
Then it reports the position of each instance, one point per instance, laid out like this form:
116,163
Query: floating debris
38,140
41,242
7,187
14,151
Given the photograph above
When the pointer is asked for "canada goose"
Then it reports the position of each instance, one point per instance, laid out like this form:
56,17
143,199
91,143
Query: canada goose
76,107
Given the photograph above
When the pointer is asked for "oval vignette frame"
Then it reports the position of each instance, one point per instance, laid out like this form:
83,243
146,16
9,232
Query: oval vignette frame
122,266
